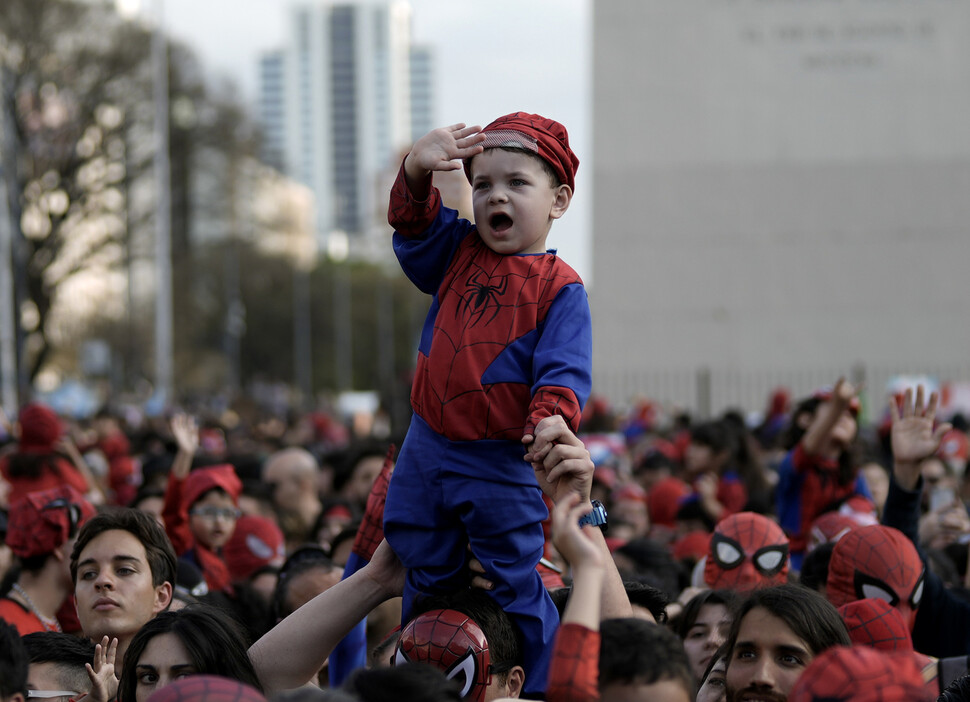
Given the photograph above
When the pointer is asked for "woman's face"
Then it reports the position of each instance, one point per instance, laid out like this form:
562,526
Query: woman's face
714,688
163,660
705,636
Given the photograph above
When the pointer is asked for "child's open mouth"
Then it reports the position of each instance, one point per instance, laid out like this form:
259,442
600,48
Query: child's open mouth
500,222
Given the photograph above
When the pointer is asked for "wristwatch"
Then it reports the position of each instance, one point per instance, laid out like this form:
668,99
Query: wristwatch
595,518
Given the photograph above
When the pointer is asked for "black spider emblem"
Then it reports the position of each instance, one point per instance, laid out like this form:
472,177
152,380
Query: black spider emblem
480,297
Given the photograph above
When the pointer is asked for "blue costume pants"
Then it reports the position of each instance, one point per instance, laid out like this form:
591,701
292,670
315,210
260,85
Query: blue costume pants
447,494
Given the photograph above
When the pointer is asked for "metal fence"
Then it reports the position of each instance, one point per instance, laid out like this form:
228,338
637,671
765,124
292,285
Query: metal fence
706,392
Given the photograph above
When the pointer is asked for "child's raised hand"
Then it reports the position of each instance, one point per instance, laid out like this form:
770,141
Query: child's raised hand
844,392
440,149
186,433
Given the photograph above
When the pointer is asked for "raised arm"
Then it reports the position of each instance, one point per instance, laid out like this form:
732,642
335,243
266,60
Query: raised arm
563,467
828,415
292,652
913,435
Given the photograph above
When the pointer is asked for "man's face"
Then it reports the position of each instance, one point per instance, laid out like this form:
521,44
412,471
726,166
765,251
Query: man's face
767,659
287,485
115,595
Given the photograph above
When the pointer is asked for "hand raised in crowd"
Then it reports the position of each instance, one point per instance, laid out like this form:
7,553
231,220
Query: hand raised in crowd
186,434
560,460
104,682
913,434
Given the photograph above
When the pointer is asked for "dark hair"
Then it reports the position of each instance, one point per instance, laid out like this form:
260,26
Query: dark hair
68,653
546,167
158,549
409,682
214,642
810,616
693,608
635,651
503,636
13,662
145,492
302,560
956,691
795,433
815,566
648,597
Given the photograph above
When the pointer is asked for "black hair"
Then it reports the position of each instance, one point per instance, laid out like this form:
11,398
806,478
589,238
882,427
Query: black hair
693,608
410,682
158,549
815,566
13,662
503,636
302,560
69,654
634,651
810,616
650,598
213,640
146,492
956,691
346,461
654,565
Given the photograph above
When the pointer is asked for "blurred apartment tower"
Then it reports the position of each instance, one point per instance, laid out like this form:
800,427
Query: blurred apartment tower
337,106
780,196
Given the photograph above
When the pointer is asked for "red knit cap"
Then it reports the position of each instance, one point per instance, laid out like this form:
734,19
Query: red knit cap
544,137
41,521
256,543
39,428
201,480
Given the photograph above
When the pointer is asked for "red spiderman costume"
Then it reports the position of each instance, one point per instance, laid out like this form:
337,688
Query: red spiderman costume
860,674
507,342
748,551
876,562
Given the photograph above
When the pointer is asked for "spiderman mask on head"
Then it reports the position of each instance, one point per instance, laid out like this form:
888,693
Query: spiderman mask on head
452,642
878,562
748,551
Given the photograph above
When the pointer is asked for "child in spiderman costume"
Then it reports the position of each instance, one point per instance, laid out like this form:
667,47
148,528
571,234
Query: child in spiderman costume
507,342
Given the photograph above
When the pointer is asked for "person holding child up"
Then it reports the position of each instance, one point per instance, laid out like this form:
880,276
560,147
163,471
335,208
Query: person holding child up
507,342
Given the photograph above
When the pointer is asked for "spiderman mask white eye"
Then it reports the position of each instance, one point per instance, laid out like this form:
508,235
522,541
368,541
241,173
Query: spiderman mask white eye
770,559
727,552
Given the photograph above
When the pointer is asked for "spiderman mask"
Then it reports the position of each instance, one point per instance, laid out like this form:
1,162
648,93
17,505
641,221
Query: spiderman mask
748,551
452,642
877,562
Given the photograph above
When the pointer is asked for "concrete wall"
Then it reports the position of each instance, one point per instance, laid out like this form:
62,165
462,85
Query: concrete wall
781,187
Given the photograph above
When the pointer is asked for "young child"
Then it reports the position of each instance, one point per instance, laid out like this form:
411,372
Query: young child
818,472
507,342
201,507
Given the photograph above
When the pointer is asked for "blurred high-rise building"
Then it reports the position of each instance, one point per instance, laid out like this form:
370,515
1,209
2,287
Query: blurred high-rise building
337,106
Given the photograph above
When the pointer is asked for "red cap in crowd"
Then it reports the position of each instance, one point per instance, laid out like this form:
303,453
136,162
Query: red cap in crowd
256,543
41,521
39,428
201,480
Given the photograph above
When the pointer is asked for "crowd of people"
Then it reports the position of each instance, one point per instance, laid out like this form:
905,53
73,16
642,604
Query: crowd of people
524,542
232,560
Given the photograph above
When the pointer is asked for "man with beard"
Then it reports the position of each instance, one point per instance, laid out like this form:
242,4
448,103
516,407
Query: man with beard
777,633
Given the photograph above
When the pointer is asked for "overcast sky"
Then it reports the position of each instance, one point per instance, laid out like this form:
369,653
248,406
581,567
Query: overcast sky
492,57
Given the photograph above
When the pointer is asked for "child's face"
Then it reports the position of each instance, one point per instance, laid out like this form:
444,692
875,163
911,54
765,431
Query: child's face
514,201
212,519
844,431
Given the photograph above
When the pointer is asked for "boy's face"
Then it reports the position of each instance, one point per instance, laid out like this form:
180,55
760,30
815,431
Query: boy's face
212,519
514,201
114,589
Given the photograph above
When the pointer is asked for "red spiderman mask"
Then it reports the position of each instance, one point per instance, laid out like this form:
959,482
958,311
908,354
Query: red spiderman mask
877,562
748,551
451,641
860,674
